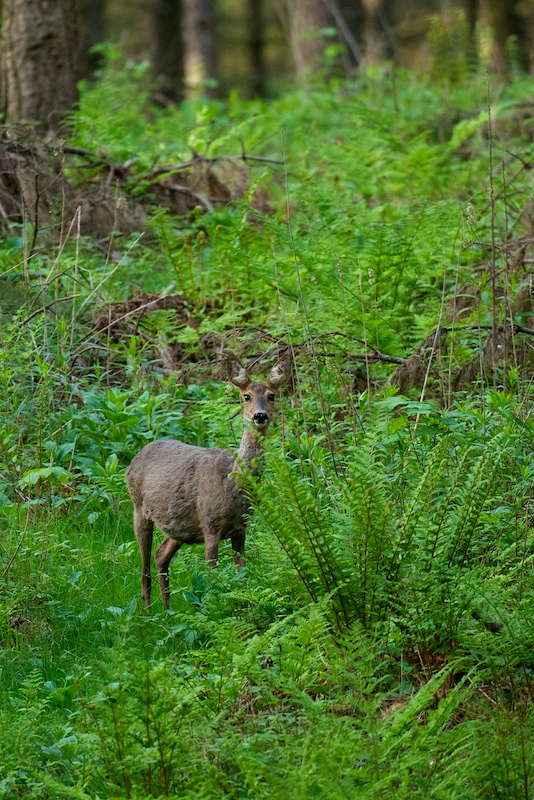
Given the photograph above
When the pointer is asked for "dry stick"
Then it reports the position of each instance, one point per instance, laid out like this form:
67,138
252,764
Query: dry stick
367,371
346,386
427,373
481,368
497,196
333,8
170,169
95,290
525,398
203,201
516,327
38,195
449,369
57,276
47,306
134,310
35,212
508,310
382,357
3,213
376,354
371,358
493,266
296,376
305,310
25,248
76,263
429,365
19,544
12,268
62,245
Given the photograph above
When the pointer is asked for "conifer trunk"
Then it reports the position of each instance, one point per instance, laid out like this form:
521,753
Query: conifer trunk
200,46
307,18
165,24
39,60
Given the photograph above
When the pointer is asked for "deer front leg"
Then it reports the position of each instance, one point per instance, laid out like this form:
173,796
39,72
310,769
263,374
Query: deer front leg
238,546
212,550
144,529
162,557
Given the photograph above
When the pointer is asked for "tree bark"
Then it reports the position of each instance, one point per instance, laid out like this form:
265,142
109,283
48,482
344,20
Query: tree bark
375,26
255,23
165,24
470,9
495,18
200,47
92,30
40,60
306,20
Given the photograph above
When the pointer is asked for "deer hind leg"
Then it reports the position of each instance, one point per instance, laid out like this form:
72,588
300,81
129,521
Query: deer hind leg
144,529
238,546
163,556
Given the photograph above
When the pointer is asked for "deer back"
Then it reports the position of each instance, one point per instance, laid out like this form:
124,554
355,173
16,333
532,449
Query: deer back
184,489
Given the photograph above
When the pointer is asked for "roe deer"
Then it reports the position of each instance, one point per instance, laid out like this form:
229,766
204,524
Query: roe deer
186,490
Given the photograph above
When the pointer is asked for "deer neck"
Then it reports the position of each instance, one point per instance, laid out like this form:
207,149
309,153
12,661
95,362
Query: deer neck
250,453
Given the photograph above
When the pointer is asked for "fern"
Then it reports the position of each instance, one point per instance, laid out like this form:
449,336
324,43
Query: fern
414,554
313,552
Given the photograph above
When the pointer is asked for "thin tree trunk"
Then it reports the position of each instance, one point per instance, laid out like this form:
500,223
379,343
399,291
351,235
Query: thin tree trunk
165,24
470,8
200,47
495,18
92,29
255,47
40,64
375,45
307,18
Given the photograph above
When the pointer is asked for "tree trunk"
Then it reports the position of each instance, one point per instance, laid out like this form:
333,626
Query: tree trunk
200,47
306,19
92,30
375,27
40,60
495,19
165,24
470,8
525,15
255,47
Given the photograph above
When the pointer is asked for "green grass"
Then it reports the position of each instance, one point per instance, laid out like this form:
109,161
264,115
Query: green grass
379,644
245,686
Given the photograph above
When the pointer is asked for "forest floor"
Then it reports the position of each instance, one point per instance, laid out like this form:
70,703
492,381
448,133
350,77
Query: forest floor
379,643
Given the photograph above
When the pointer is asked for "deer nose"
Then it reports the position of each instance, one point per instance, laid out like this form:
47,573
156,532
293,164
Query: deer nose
260,417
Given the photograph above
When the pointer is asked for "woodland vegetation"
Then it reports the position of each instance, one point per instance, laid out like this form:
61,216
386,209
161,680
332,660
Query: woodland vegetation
377,228
255,47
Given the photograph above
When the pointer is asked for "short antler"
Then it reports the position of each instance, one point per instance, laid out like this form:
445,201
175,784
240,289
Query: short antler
237,373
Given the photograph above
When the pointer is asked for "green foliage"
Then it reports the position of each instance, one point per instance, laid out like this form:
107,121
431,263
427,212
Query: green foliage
379,644
407,524
370,169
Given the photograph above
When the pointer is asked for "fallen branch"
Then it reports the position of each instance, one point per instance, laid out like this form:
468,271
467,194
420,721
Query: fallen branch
44,308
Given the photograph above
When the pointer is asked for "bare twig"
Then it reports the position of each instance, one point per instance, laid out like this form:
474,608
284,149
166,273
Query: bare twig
19,543
44,308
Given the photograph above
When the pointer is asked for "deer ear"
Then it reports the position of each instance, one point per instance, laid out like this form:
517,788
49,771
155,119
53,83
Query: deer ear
280,374
237,373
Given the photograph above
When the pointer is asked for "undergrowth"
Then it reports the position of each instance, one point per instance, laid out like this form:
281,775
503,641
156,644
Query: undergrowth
379,644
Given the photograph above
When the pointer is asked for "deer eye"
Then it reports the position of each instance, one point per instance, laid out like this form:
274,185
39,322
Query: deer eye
246,398
270,397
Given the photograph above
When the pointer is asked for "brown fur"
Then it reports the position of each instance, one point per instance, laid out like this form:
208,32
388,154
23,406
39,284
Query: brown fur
187,492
